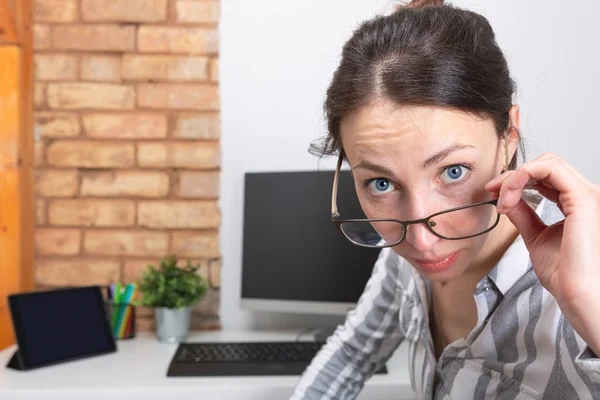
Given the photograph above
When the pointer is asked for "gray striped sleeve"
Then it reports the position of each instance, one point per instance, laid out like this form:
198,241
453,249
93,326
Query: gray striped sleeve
365,342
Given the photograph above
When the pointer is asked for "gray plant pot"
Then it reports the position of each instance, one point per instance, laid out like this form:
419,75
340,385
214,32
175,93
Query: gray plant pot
172,324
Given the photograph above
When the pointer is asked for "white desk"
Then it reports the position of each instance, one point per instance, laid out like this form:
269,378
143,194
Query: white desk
138,371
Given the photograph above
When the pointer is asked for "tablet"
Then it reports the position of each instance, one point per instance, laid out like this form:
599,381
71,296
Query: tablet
59,325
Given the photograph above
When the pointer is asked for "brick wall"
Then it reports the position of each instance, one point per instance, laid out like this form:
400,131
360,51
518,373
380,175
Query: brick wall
128,156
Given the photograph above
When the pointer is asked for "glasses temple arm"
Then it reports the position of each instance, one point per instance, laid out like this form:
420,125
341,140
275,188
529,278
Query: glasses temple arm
334,209
506,161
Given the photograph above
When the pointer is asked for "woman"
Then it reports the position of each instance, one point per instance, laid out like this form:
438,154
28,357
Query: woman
496,290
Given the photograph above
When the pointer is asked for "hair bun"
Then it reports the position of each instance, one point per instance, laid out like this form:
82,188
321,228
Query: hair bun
418,4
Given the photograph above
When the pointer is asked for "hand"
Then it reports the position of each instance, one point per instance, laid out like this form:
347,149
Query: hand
566,255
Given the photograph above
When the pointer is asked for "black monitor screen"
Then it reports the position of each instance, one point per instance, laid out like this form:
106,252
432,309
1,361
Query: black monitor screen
291,250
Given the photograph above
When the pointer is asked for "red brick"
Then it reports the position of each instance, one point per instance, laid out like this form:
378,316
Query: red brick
176,39
202,265
39,96
214,273
93,37
126,243
55,67
198,184
165,68
56,183
204,322
57,124
42,37
101,68
51,241
39,153
76,272
198,126
131,183
133,268
105,96
179,214
40,212
124,10
179,155
70,153
214,70
145,324
142,312
197,12
207,307
202,97
55,10
87,212
141,125
196,244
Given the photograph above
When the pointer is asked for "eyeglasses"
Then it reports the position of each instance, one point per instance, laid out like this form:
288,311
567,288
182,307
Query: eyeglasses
452,224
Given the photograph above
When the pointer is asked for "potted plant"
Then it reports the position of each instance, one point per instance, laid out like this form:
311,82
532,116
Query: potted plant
172,291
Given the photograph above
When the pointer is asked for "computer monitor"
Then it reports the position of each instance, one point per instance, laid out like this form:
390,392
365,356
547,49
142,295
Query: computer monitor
294,259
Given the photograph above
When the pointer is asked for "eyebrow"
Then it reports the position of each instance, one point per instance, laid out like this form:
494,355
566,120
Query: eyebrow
374,168
437,157
440,155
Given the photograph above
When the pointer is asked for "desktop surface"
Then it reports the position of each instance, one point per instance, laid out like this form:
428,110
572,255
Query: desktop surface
138,370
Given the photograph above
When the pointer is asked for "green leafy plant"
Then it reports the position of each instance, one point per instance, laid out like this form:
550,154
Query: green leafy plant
171,286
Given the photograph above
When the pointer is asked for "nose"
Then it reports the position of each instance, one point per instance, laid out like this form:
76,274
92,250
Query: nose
420,238
418,235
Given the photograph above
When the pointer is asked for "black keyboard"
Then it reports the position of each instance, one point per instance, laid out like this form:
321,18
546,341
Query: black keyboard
245,358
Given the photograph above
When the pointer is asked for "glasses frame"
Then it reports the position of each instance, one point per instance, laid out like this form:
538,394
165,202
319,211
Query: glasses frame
339,222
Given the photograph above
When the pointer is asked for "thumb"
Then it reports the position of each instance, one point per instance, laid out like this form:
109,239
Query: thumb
526,221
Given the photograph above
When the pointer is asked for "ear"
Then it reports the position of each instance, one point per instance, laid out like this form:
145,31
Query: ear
513,131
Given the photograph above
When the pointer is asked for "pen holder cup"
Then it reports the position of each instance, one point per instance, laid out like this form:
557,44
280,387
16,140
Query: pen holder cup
122,319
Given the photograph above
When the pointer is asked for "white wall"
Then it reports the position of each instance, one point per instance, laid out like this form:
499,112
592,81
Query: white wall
277,58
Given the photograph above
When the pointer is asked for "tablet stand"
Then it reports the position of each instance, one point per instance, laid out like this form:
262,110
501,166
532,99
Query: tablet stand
15,362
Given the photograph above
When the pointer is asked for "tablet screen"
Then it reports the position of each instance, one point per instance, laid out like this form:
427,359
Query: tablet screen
62,324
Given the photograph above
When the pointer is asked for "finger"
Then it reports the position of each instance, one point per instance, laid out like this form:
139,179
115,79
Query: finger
551,170
526,221
552,156
494,184
547,171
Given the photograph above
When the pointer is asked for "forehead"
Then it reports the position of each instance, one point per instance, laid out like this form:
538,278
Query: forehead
384,127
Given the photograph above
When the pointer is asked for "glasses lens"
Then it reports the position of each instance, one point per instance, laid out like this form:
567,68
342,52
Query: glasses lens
466,222
373,234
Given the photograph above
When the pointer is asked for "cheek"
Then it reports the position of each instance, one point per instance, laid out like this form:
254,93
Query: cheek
372,209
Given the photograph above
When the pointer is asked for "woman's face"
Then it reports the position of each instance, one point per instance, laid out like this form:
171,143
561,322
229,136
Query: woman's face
411,162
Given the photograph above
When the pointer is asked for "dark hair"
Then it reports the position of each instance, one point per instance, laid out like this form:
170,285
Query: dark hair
424,54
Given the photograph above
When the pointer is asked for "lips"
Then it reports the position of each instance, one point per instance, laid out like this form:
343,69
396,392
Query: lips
437,264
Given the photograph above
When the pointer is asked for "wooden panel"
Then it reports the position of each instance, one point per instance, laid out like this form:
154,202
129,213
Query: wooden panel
8,30
10,210
12,6
24,18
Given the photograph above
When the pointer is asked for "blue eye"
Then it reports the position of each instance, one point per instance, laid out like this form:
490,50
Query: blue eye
380,186
454,173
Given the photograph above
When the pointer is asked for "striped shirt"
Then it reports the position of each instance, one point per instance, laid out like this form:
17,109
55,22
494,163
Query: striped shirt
522,346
